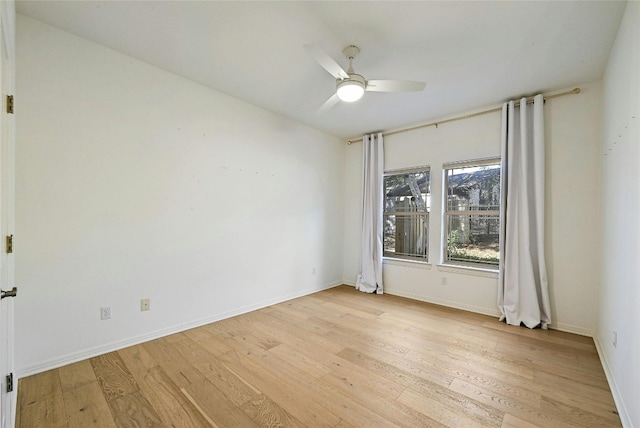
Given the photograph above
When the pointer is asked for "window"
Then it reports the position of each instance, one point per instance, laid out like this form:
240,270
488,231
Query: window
472,213
407,200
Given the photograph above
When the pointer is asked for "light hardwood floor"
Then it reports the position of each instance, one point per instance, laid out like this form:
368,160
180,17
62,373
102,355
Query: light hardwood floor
337,358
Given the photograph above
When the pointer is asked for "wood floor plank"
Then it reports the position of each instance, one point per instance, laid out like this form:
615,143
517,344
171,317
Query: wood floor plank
172,362
351,310
460,361
469,374
241,332
579,399
267,413
217,407
300,335
364,401
455,337
311,366
113,375
337,358
344,370
511,406
362,305
442,413
231,385
345,424
313,307
506,383
396,367
552,355
38,386
515,366
76,375
49,412
172,407
40,401
345,335
290,394
511,421
427,389
539,335
208,341
564,382
397,334
552,341
320,393
583,417
345,375
575,372
134,410
138,360
87,406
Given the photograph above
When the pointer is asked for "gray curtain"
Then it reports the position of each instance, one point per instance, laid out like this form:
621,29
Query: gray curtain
370,277
523,293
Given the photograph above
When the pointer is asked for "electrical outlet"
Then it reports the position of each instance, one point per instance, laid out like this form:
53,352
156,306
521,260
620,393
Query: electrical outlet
615,339
145,304
105,312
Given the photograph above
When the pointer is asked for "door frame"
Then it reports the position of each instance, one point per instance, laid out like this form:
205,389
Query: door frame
7,213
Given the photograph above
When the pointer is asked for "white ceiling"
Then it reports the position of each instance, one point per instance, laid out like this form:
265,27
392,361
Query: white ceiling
471,54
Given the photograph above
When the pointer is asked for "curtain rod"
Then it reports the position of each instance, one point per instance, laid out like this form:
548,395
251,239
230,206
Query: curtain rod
468,116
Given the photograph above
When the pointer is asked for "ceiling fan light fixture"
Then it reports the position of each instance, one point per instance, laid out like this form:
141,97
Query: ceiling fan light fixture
351,89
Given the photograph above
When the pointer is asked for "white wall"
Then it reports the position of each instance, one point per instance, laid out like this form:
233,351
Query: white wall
619,302
136,183
573,126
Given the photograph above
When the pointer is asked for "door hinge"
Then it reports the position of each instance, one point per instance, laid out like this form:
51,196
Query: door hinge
10,382
9,244
10,104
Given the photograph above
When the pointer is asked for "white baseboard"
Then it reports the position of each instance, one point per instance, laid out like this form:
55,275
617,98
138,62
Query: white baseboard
568,328
617,397
120,344
443,302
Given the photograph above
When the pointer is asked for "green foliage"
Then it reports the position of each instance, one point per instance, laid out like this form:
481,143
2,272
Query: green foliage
461,246
453,241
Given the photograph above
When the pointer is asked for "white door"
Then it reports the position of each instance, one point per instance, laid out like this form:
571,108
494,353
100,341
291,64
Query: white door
8,383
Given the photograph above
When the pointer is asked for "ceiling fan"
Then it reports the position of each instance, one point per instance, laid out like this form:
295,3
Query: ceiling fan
350,86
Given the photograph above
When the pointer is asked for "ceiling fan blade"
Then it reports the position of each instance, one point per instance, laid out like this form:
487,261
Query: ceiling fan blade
394,86
333,100
326,61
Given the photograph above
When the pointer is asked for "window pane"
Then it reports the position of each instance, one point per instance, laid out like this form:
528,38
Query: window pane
407,192
473,238
406,236
407,202
475,188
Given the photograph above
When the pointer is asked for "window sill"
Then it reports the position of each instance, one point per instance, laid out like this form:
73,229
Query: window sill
407,263
469,270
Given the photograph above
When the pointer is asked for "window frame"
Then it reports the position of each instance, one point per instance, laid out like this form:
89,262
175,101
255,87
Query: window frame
444,259
427,214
